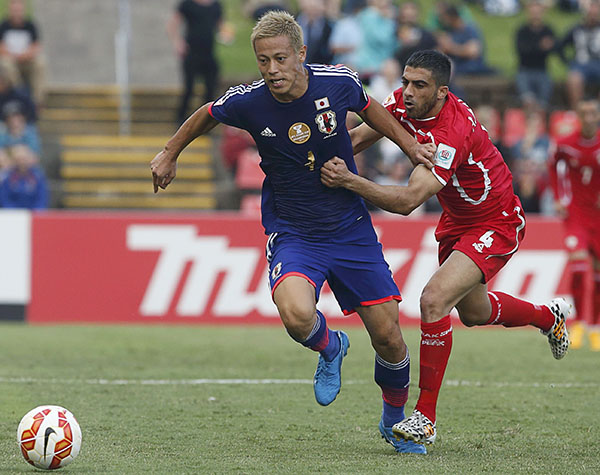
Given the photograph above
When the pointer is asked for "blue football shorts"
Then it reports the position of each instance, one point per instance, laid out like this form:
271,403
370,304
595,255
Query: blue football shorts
356,271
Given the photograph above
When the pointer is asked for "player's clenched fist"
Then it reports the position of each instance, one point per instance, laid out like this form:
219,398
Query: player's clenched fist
164,169
335,173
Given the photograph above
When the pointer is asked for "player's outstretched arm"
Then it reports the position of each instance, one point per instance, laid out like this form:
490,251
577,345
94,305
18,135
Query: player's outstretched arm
381,121
362,137
164,164
422,185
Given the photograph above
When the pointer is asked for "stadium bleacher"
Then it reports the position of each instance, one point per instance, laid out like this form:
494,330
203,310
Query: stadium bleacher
98,168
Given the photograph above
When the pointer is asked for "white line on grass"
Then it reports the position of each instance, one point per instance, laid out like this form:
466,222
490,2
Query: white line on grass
193,382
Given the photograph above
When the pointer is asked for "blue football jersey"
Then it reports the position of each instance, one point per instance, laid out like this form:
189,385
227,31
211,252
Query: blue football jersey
294,140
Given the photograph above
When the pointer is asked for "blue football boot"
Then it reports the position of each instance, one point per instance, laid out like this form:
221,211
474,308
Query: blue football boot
328,377
401,446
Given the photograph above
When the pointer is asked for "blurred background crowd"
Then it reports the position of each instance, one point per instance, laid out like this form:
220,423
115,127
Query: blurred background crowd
375,38
22,179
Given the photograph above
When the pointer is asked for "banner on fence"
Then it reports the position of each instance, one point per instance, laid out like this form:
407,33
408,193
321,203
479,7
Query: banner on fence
157,268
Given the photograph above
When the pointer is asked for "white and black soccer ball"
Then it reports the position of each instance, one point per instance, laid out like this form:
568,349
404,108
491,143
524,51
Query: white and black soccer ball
49,437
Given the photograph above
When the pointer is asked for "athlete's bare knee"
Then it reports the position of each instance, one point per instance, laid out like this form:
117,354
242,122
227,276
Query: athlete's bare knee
297,317
431,306
387,337
389,343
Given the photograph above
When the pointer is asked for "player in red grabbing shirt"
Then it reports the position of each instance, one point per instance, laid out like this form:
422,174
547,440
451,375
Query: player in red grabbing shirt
480,228
575,177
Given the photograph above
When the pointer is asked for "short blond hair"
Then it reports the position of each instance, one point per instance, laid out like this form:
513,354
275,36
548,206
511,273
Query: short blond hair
278,23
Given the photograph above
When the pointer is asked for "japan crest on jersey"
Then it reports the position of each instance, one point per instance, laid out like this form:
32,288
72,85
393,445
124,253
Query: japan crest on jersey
326,122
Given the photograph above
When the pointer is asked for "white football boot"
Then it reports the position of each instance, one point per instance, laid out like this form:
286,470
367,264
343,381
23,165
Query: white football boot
416,427
558,337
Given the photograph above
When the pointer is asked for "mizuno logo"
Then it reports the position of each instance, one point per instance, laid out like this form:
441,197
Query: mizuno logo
47,434
268,133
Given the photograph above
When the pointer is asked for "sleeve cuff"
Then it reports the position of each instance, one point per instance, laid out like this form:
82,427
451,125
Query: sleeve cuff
368,104
440,179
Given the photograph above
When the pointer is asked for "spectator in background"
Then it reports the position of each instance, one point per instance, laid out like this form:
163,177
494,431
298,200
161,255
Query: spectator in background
535,144
568,5
16,130
433,22
528,184
10,95
257,8
20,50
389,164
202,21
23,184
383,85
378,26
535,40
584,39
411,36
386,81
346,36
463,43
333,9
316,28
490,119
530,178
501,7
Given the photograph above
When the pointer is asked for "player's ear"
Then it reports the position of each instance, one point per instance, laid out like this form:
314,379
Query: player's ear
302,54
442,92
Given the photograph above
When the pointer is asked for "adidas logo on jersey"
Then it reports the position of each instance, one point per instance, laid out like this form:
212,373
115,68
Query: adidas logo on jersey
268,133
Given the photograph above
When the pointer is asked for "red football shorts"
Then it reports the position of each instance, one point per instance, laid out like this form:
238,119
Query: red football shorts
583,234
488,244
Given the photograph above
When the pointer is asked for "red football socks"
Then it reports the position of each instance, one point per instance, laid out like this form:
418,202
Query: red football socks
578,270
596,302
510,311
436,344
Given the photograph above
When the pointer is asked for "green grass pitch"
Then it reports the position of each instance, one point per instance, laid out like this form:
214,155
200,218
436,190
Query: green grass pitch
162,399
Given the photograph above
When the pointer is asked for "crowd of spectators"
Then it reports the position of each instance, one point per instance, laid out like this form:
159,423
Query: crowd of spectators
23,183
376,37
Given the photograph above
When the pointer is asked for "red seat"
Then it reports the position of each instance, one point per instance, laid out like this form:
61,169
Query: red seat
249,175
250,204
513,126
233,143
563,123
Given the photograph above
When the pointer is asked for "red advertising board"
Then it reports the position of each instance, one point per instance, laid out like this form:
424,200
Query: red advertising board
210,268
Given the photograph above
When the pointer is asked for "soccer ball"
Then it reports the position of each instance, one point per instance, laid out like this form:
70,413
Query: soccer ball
49,437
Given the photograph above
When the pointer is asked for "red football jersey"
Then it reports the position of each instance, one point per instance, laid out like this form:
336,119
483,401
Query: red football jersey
574,169
477,182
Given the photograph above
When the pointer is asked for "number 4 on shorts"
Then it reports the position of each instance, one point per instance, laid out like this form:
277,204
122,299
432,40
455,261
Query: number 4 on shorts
485,240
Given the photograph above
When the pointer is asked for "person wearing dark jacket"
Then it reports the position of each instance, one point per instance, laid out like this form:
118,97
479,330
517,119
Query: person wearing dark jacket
535,40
